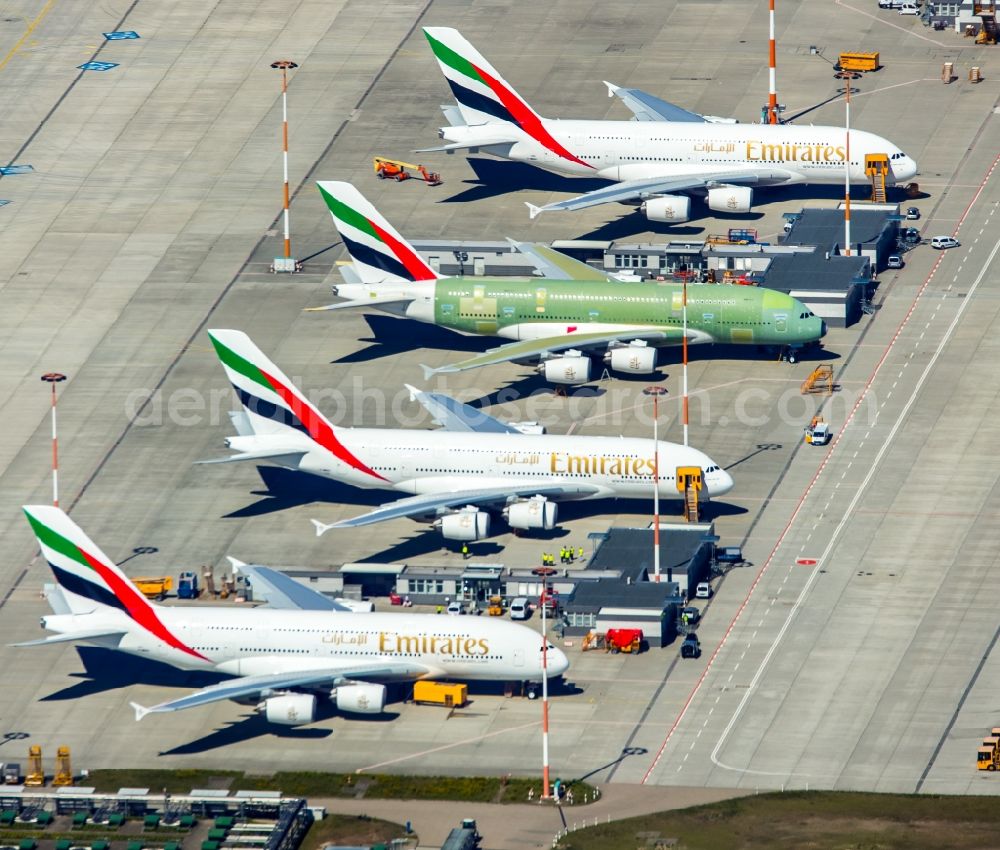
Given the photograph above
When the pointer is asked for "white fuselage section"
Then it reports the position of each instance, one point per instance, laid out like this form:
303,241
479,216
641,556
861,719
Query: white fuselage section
263,641
428,462
634,150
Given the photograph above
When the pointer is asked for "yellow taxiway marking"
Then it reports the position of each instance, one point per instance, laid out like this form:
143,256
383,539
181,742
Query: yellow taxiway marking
31,28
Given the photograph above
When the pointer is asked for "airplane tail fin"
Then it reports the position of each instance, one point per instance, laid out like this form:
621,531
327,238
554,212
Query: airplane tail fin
85,575
89,579
379,253
482,95
272,403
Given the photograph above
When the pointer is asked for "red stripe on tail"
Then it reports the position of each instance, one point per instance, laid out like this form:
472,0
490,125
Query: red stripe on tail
528,121
136,605
414,264
318,429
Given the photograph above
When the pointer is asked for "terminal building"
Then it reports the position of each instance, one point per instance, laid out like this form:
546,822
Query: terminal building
614,587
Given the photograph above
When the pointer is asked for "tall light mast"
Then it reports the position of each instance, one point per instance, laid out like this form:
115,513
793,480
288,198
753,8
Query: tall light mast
772,90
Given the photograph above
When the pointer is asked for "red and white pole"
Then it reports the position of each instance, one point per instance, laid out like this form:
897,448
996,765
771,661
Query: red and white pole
847,171
53,378
545,696
684,349
284,65
847,77
772,90
656,392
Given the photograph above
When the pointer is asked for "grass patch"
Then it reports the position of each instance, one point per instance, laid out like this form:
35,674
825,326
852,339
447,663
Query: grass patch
345,829
814,820
175,781
372,786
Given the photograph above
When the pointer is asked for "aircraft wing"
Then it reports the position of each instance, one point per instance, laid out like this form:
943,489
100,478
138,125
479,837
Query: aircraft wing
472,143
373,301
647,107
293,457
555,265
251,685
282,591
429,503
454,416
630,190
529,348
65,637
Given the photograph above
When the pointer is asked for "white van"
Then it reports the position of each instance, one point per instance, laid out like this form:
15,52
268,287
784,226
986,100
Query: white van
909,9
519,608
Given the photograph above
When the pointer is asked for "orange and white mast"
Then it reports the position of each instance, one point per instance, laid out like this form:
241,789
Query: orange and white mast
772,91
285,65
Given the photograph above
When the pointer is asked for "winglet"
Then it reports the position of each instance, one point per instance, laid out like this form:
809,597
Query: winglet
413,391
612,88
532,209
321,528
429,371
140,711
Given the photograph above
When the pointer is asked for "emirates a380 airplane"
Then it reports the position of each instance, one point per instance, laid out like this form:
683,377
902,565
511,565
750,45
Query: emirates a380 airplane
455,476
281,660
660,158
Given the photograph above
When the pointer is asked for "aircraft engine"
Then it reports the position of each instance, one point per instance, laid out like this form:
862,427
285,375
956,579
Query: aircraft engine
635,359
466,524
571,368
535,513
734,199
290,709
361,699
669,208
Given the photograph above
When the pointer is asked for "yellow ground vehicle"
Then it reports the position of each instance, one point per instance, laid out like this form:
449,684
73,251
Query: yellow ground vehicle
988,755
496,606
859,61
448,694
154,588
984,759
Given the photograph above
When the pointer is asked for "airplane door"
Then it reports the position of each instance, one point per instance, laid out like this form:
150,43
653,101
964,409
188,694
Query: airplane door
780,323
540,298
518,657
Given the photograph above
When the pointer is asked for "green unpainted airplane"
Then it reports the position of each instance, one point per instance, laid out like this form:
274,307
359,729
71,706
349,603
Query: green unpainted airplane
561,319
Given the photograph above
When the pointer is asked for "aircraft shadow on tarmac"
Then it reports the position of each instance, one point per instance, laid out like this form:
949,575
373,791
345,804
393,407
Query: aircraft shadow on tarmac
426,541
250,726
530,385
110,670
673,355
288,488
496,177
392,335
